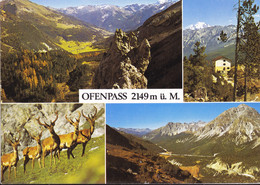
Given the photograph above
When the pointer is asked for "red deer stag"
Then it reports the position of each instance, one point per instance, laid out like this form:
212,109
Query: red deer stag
34,152
69,141
10,159
85,134
50,144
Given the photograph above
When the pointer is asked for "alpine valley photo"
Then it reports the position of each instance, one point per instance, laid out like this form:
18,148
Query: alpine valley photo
50,51
183,143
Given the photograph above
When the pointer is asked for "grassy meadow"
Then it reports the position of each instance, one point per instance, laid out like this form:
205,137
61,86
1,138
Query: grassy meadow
89,169
77,47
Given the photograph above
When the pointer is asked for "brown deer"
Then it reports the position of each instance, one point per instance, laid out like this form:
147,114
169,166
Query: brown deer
85,134
34,152
69,141
50,144
10,159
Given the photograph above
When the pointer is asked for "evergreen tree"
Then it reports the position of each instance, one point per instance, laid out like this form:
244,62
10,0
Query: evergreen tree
250,42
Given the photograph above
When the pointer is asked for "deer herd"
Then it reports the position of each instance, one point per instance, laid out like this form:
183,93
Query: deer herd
51,145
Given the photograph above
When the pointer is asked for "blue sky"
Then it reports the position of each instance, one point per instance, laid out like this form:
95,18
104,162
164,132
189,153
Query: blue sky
73,3
212,12
157,115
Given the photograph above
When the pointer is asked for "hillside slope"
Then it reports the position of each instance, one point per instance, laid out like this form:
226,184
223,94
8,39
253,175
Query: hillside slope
34,27
132,160
164,33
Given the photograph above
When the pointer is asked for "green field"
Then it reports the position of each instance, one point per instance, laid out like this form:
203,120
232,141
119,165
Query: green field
76,47
89,169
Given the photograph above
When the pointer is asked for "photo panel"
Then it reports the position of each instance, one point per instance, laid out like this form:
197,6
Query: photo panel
53,143
183,143
51,49
221,50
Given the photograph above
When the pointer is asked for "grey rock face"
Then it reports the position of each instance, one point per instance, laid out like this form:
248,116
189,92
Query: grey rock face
172,129
242,123
22,117
124,64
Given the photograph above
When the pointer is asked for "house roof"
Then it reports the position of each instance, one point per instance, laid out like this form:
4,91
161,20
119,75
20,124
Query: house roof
220,57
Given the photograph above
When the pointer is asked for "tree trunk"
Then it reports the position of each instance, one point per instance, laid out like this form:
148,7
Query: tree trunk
245,76
236,52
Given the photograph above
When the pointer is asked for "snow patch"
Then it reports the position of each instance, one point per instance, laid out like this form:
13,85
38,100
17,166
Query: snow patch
162,1
198,26
80,7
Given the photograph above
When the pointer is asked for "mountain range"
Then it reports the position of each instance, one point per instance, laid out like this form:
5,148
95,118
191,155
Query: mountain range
208,37
111,17
230,142
135,131
172,129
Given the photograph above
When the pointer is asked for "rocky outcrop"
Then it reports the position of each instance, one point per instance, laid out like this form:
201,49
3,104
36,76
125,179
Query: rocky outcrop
164,32
124,64
233,169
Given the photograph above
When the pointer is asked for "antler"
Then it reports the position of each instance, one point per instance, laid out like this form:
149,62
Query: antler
94,116
40,123
13,137
90,116
72,122
29,133
8,140
53,122
40,135
19,135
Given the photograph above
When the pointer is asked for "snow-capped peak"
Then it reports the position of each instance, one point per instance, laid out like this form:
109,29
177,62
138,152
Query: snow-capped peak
166,1
197,26
80,7
162,1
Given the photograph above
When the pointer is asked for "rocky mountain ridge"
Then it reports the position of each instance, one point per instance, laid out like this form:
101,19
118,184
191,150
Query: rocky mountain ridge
197,26
172,129
112,17
242,122
208,37
135,131
227,147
